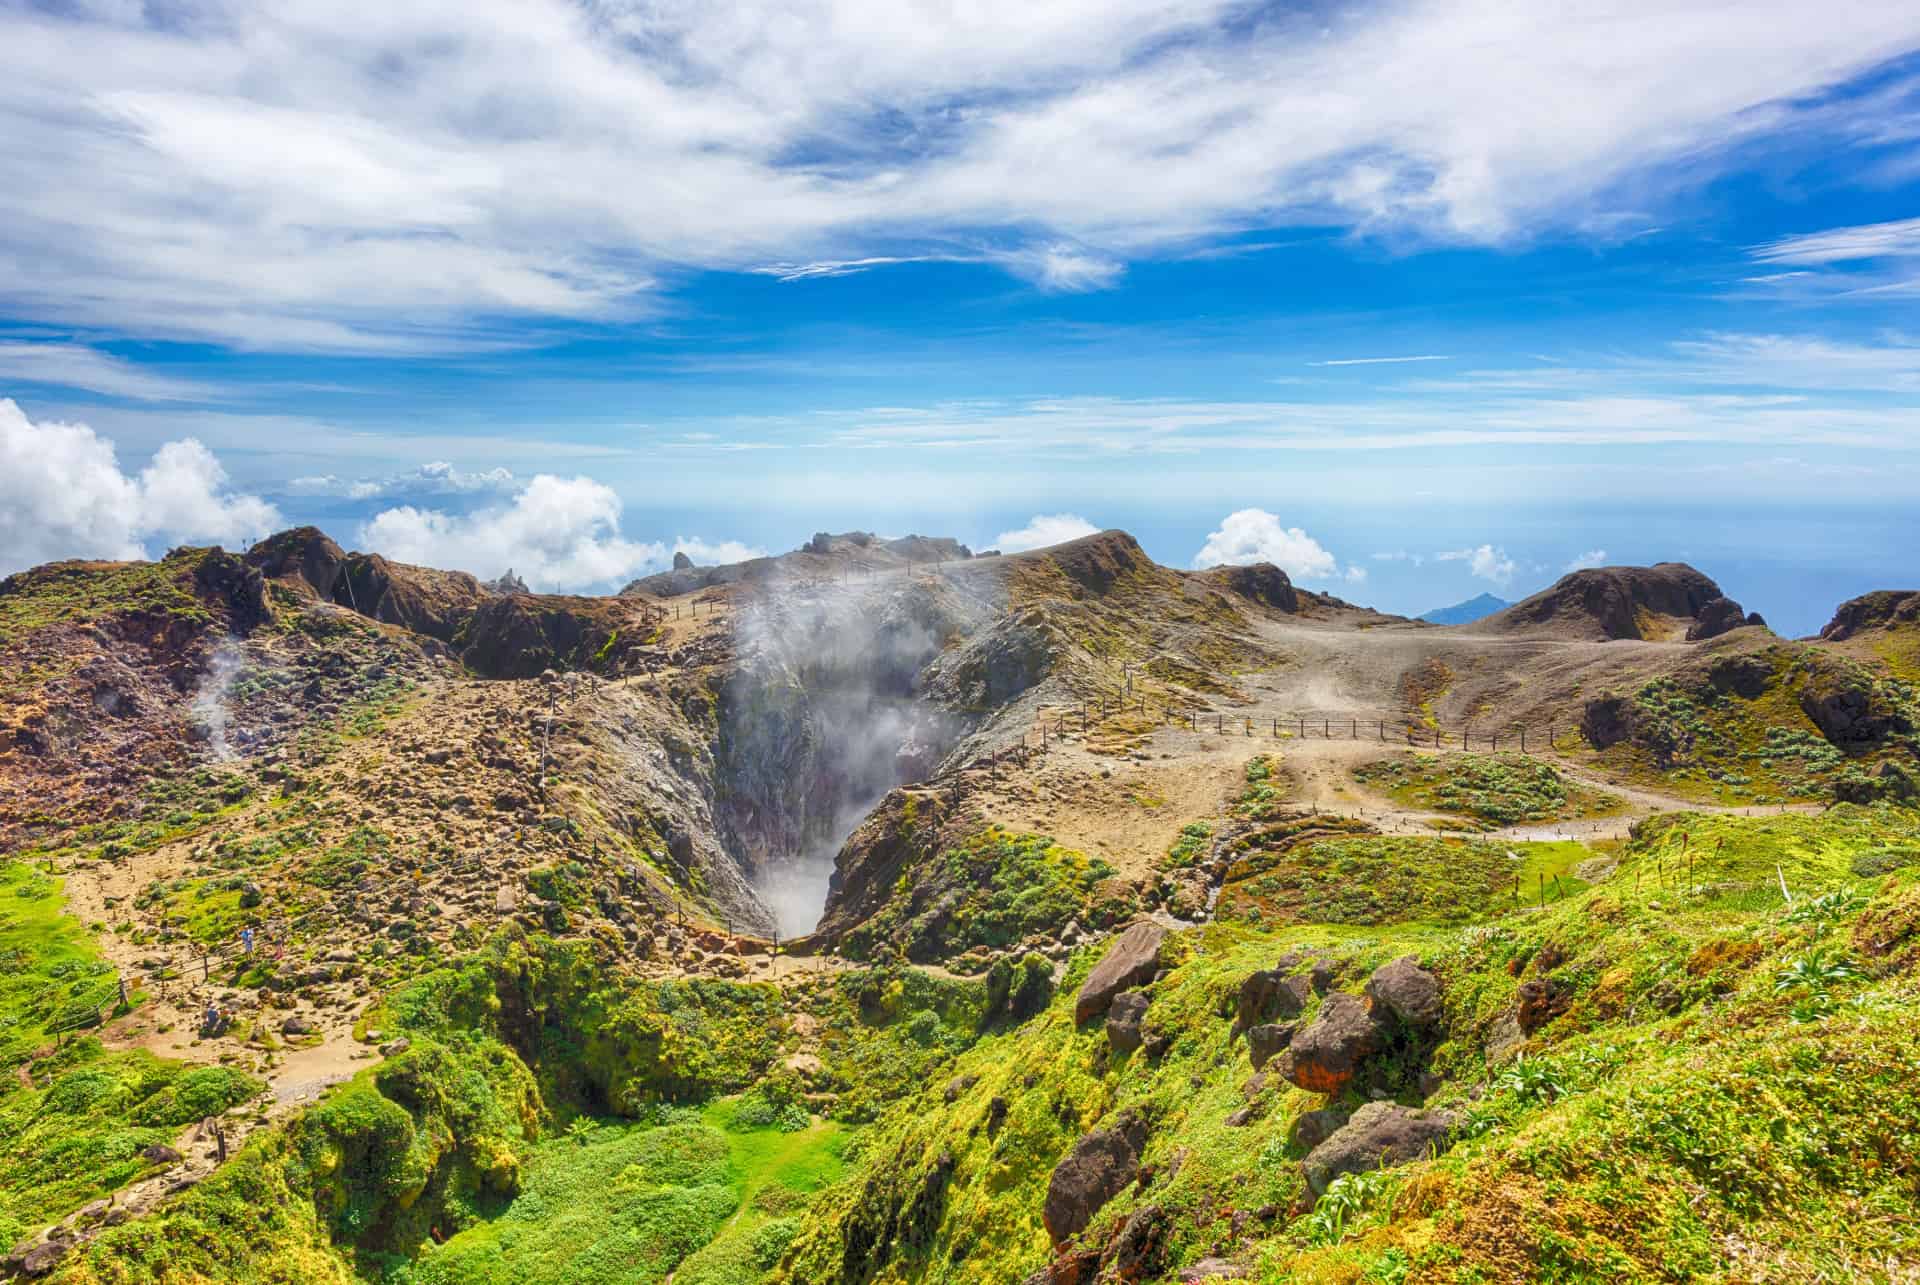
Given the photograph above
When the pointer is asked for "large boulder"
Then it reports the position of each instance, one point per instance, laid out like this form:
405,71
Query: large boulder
1267,1040
1315,1127
1410,993
1131,961
1097,1169
1380,1135
1324,1057
1123,1021
1268,994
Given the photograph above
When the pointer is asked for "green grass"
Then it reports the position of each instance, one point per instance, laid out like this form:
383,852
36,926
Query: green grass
1689,1100
73,1131
1378,879
992,889
1493,789
634,1202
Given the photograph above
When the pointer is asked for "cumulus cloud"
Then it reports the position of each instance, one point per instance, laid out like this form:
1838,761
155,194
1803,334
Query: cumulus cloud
1588,560
1485,562
557,534
1043,530
63,495
709,553
1255,535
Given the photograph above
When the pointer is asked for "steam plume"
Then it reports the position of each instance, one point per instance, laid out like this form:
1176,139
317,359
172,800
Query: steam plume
210,697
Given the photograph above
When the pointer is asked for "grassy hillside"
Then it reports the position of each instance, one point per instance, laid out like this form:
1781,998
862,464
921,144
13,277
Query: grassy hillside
1727,1087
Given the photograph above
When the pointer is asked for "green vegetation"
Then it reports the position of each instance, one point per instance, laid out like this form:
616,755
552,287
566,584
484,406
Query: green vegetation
1378,880
1689,1097
74,1118
993,889
1494,789
699,1195
86,592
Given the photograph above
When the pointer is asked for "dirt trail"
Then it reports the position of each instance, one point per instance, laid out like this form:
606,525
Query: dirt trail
1129,808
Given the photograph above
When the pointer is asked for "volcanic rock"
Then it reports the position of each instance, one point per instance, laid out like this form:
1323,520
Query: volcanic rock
1410,993
1669,600
1324,1057
1380,1135
1131,961
1123,1021
1099,1167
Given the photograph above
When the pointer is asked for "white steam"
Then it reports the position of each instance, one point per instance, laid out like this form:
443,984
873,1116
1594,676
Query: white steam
210,698
822,721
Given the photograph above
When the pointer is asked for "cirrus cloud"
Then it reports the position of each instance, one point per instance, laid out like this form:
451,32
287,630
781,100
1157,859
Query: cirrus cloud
444,171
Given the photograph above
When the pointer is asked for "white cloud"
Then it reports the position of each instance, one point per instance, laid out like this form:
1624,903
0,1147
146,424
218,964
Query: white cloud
1255,535
443,171
63,495
77,366
1043,531
1588,560
716,553
1485,562
1400,555
1355,575
1898,239
437,477
1062,268
557,534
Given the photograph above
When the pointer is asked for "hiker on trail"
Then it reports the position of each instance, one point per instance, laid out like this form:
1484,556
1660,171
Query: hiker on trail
246,940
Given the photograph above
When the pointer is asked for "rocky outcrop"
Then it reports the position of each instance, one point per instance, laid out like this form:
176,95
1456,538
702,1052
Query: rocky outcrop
1262,582
507,582
1124,1015
1312,1128
1668,601
523,635
1324,1057
1268,994
238,585
1094,564
1884,609
1100,1167
1410,993
1848,705
1721,615
991,668
1539,1001
1131,961
1268,1040
1380,1135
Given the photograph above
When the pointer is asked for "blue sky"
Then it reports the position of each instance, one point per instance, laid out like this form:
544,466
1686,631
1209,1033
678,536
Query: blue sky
1420,299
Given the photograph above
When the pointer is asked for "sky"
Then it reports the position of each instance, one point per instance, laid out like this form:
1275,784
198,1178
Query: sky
1417,300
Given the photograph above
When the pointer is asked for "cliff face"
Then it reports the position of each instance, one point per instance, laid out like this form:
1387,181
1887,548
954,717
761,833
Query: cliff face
1665,602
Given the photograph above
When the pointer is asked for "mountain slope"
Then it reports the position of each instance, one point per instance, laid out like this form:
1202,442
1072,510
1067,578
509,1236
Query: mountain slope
1475,608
